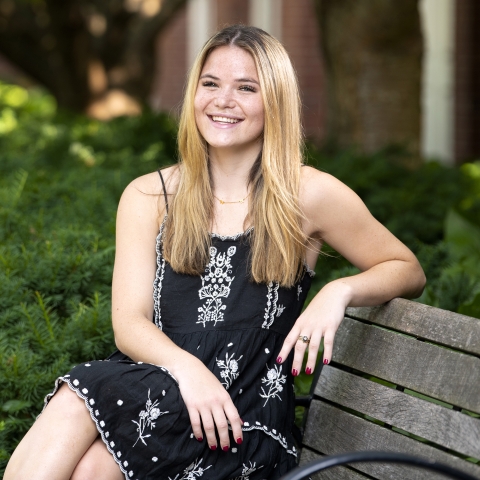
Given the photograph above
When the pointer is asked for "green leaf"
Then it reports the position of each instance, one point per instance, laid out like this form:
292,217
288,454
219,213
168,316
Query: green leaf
471,309
463,237
13,406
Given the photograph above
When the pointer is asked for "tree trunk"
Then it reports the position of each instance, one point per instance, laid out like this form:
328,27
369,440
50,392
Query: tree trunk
86,52
373,54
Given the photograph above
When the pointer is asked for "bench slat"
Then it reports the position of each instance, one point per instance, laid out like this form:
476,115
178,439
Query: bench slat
336,473
330,430
438,372
430,323
443,426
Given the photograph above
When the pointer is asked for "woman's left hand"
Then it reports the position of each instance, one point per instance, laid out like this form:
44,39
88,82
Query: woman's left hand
320,319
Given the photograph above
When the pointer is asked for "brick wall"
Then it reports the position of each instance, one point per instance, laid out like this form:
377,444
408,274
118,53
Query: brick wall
171,65
301,39
230,12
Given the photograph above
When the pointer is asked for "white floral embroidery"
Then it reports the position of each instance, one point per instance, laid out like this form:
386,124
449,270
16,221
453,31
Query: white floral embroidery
247,471
280,310
157,283
273,381
308,269
146,419
194,470
229,368
271,308
299,291
216,285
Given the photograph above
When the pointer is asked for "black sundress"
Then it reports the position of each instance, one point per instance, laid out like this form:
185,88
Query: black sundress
237,328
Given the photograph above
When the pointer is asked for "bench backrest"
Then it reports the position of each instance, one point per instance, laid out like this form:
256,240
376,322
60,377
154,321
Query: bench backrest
404,377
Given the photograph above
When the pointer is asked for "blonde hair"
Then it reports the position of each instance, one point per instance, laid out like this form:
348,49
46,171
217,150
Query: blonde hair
277,240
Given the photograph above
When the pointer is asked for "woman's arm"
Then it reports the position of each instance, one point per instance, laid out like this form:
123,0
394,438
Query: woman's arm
208,403
336,215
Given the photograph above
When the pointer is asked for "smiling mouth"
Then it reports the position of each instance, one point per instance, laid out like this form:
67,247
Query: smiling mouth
218,119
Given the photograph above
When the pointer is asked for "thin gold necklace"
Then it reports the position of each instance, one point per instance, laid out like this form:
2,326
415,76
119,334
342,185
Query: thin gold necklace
236,201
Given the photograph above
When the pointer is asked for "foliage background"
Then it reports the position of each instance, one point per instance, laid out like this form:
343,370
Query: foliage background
60,180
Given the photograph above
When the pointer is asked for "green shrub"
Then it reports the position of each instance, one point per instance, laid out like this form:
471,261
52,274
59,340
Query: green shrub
60,181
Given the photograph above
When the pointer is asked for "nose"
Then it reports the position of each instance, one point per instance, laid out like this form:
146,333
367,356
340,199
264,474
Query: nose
224,99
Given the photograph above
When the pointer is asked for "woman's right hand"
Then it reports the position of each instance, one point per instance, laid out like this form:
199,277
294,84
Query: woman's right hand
208,404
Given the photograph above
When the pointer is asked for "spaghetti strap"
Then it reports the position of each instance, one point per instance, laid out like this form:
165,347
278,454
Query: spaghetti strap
164,189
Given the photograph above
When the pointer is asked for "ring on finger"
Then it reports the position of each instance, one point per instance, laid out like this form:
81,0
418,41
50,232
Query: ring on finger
304,339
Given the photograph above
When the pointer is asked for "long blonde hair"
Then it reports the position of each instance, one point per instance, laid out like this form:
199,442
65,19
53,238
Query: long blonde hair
277,240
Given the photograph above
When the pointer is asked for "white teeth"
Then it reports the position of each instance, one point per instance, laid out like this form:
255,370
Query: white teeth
225,120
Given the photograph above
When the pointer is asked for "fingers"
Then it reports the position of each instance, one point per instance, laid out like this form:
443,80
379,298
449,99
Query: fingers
313,348
235,422
209,429
299,354
196,424
294,341
288,344
222,428
328,346
215,421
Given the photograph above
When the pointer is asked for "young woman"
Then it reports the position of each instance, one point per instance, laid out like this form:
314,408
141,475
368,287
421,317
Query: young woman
229,238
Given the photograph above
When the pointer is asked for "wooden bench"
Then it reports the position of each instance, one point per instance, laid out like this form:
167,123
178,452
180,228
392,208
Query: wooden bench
404,377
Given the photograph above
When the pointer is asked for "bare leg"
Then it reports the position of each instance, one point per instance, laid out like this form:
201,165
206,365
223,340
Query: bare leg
57,441
97,464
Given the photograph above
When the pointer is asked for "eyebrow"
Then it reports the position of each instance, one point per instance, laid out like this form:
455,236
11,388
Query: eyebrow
249,80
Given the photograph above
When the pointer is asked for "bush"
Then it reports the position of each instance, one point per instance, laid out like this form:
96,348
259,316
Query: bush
60,181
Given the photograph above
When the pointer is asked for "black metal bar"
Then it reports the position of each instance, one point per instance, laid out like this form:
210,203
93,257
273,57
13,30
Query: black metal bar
303,401
380,457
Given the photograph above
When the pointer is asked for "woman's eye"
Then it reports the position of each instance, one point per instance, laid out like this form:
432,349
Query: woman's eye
209,84
247,88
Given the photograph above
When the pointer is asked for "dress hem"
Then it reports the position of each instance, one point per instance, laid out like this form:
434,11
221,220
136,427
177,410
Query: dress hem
90,410
272,433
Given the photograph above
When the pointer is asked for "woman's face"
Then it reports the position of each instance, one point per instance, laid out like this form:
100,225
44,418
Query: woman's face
228,103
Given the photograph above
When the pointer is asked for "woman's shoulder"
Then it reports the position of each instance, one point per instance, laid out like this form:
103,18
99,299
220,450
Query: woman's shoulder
325,200
143,196
317,186
151,183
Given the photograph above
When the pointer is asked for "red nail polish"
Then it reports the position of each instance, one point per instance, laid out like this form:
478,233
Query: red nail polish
294,372
308,371
213,447
239,441
225,448
279,359
325,362
200,439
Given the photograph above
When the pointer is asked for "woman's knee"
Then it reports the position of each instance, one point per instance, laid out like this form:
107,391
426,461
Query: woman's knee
97,463
68,403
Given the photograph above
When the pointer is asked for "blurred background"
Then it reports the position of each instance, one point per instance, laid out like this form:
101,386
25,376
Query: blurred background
90,92
110,58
